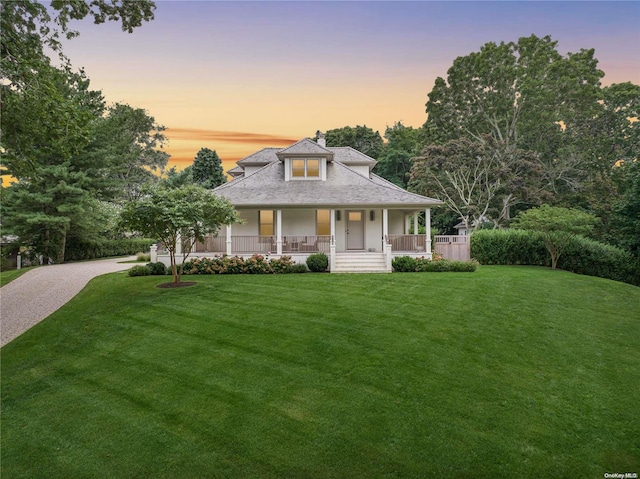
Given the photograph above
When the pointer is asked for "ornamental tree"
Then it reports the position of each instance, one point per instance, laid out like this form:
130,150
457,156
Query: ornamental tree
183,215
557,225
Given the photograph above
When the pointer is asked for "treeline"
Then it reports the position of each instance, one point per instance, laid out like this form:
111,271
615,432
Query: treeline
74,160
513,126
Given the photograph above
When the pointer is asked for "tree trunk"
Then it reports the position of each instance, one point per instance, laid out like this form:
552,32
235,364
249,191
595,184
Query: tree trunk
63,247
174,270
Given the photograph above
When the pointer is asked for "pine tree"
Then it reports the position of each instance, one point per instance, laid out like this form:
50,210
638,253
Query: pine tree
207,169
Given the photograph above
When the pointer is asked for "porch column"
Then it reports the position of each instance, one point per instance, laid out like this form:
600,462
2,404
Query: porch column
386,247
427,224
407,224
332,241
332,221
415,223
229,240
385,225
279,231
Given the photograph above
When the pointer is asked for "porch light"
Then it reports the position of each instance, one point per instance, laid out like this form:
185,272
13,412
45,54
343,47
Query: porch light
372,215
338,215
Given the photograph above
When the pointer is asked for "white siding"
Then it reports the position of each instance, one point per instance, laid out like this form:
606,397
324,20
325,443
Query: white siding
396,222
298,222
373,230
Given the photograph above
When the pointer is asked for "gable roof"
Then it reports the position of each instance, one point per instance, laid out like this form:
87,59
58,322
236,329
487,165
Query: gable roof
305,147
235,171
267,188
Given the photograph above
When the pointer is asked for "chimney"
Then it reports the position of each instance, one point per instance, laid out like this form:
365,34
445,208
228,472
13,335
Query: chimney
322,141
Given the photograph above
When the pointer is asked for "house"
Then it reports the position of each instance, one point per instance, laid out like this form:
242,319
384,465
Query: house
310,198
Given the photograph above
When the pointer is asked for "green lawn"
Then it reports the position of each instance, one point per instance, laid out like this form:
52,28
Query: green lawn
6,276
503,373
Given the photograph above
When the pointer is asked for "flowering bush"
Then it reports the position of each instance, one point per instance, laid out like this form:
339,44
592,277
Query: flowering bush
256,264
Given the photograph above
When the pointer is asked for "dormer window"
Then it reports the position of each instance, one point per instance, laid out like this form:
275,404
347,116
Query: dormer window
305,168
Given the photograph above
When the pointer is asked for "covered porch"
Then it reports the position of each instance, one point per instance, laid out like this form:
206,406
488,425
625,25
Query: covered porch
337,232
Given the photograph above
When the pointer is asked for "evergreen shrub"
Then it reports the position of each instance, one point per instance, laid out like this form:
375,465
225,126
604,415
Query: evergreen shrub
406,264
139,270
157,269
582,255
318,262
77,250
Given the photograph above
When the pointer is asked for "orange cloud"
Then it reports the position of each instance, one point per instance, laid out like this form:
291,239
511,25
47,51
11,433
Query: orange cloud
194,134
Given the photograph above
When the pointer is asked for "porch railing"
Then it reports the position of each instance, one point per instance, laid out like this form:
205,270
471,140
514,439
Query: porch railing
306,244
408,243
265,244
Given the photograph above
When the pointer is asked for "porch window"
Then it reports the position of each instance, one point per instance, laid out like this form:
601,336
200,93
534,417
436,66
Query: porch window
266,223
305,168
323,222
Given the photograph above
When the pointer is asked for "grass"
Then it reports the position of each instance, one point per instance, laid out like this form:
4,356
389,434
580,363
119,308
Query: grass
9,275
506,372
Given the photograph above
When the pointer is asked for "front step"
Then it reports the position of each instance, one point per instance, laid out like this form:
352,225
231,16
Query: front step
360,263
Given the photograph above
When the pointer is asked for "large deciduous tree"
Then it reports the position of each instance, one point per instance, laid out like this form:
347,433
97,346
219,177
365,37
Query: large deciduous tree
479,181
394,161
173,215
360,138
29,30
125,152
523,94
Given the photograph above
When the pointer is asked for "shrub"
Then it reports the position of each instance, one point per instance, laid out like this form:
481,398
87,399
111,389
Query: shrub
282,265
143,257
509,247
424,265
297,268
157,269
257,264
318,262
582,255
76,250
139,270
404,264
590,257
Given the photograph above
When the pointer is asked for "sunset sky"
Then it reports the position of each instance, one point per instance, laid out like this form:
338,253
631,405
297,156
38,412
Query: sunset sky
239,76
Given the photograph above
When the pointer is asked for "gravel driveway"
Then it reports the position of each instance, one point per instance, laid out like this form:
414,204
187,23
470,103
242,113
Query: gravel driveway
39,292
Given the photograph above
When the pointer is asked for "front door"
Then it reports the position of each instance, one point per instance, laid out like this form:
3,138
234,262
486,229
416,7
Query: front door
355,229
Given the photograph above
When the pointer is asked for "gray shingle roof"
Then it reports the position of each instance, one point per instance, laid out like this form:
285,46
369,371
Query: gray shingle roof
260,158
343,187
236,171
305,147
351,156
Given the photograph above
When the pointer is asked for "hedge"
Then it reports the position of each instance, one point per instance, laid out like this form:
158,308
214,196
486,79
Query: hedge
582,256
78,250
407,264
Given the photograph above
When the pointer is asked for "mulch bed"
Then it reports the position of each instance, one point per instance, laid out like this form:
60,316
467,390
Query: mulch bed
182,284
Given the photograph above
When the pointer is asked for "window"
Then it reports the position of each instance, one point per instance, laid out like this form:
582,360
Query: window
307,168
266,223
355,215
323,222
